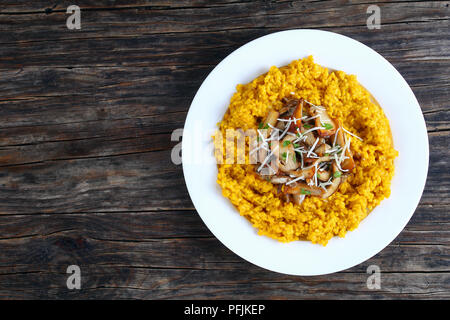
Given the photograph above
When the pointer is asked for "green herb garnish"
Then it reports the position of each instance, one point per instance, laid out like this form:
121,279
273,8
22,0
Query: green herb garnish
306,126
286,143
260,125
303,191
337,174
296,145
327,126
283,155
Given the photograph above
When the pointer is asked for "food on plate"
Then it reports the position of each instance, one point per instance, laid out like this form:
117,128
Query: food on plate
307,152
319,153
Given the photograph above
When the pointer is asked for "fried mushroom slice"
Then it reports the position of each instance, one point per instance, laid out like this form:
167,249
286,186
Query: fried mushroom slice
322,149
307,138
332,188
279,179
298,113
262,154
289,105
337,179
348,163
286,154
298,198
338,136
286,198
270,121
340,139
323,175
307,172
324,121
303,188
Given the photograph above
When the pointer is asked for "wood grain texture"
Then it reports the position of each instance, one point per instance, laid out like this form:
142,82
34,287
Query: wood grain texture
85,143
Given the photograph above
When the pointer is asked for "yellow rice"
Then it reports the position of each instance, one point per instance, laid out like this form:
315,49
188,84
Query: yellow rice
316,219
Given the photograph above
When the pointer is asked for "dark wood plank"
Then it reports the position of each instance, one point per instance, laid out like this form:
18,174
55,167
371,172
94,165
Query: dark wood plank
143,283
23,6
412,41
122,255
127,233
98,82
144,180
283,14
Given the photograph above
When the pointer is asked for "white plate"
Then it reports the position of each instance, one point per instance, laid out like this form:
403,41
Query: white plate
388,87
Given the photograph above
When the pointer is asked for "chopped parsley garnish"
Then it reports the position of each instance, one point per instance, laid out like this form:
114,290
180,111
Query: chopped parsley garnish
296,145
262,126
327,126
283,155
303,191
286,143
337,174
307,126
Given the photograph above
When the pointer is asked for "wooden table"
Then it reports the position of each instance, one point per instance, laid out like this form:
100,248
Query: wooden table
86,120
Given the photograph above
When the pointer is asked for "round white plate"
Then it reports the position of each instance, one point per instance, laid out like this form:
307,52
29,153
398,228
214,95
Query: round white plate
337,52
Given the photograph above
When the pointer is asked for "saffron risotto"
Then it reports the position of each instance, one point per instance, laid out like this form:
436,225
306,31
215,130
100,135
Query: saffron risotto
315,219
